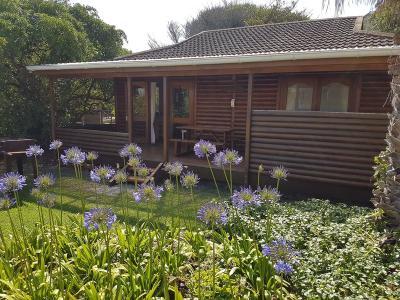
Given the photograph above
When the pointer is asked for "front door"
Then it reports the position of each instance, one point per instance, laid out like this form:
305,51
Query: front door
140,112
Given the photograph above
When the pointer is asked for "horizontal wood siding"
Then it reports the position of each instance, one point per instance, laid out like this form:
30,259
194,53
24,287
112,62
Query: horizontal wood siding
240,111
104,142
375,89
318,146
265,91
120,104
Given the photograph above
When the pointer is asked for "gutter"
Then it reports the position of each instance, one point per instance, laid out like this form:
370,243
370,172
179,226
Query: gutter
229,59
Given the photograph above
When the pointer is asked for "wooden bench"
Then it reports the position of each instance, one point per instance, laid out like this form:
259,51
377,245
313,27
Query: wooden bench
181,146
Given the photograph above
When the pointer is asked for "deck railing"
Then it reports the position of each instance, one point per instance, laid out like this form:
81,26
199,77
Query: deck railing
319,146
104,142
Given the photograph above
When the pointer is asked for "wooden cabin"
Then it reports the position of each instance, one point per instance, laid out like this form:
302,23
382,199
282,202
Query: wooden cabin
309,95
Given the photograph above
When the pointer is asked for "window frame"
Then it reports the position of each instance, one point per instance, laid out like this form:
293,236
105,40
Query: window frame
317,81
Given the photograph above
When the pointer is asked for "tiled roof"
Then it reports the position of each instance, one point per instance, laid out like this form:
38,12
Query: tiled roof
313,35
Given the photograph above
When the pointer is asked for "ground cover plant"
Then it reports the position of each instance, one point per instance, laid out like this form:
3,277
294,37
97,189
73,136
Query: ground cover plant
75,237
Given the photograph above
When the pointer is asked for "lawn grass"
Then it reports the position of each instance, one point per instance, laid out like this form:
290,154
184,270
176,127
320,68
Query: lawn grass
73,190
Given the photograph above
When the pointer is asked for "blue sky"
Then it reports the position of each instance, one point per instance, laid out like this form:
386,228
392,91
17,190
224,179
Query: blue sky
140,18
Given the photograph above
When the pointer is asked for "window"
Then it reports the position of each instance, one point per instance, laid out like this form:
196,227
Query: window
139,102
180,102
299,97
334,97
314,93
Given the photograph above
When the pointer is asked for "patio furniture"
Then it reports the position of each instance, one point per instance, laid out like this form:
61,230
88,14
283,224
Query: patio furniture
190,135
15,149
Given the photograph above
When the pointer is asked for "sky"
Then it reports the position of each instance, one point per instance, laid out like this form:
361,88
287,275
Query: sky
141,18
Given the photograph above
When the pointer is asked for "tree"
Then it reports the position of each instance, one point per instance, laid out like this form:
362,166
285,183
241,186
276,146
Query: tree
235,14
175,31
38,32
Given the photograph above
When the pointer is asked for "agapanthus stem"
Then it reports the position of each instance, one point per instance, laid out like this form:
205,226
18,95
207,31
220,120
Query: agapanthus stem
213,176
213,262
51,248
26,256
60,186
59,255
179,216
122,200
95,189
108,263
230,176
13,228
36,166
227,180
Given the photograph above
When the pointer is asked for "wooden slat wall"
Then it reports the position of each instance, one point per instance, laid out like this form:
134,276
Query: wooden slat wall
375,88
318,146
214,94
120,104
213,103
265,91
104,142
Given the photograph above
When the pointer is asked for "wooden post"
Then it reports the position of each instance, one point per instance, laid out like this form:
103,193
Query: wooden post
129,108
165,119
248,127
52,98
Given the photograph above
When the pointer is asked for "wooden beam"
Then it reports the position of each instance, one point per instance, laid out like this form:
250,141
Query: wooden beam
130,108
165,119
248,127
52,98
288,66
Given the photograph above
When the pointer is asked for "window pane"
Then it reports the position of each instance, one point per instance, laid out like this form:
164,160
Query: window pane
180,102
139,105
299,97
334,97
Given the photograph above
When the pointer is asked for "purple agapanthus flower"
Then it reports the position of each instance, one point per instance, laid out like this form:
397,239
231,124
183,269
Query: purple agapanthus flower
55,145
245,197
279,173
189,180
34,150
269,195
282,267
232,157
148,192
6,202
92,156
47,200
204,148
213,214
280,249
44,181
174,169
12,182
130,150
99,217
219,159
74,156
101,173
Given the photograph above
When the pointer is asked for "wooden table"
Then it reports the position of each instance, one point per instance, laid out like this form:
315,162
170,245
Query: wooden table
220,136
15,149
211,133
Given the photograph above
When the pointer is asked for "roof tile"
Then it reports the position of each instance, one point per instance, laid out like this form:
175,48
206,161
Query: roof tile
322,34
